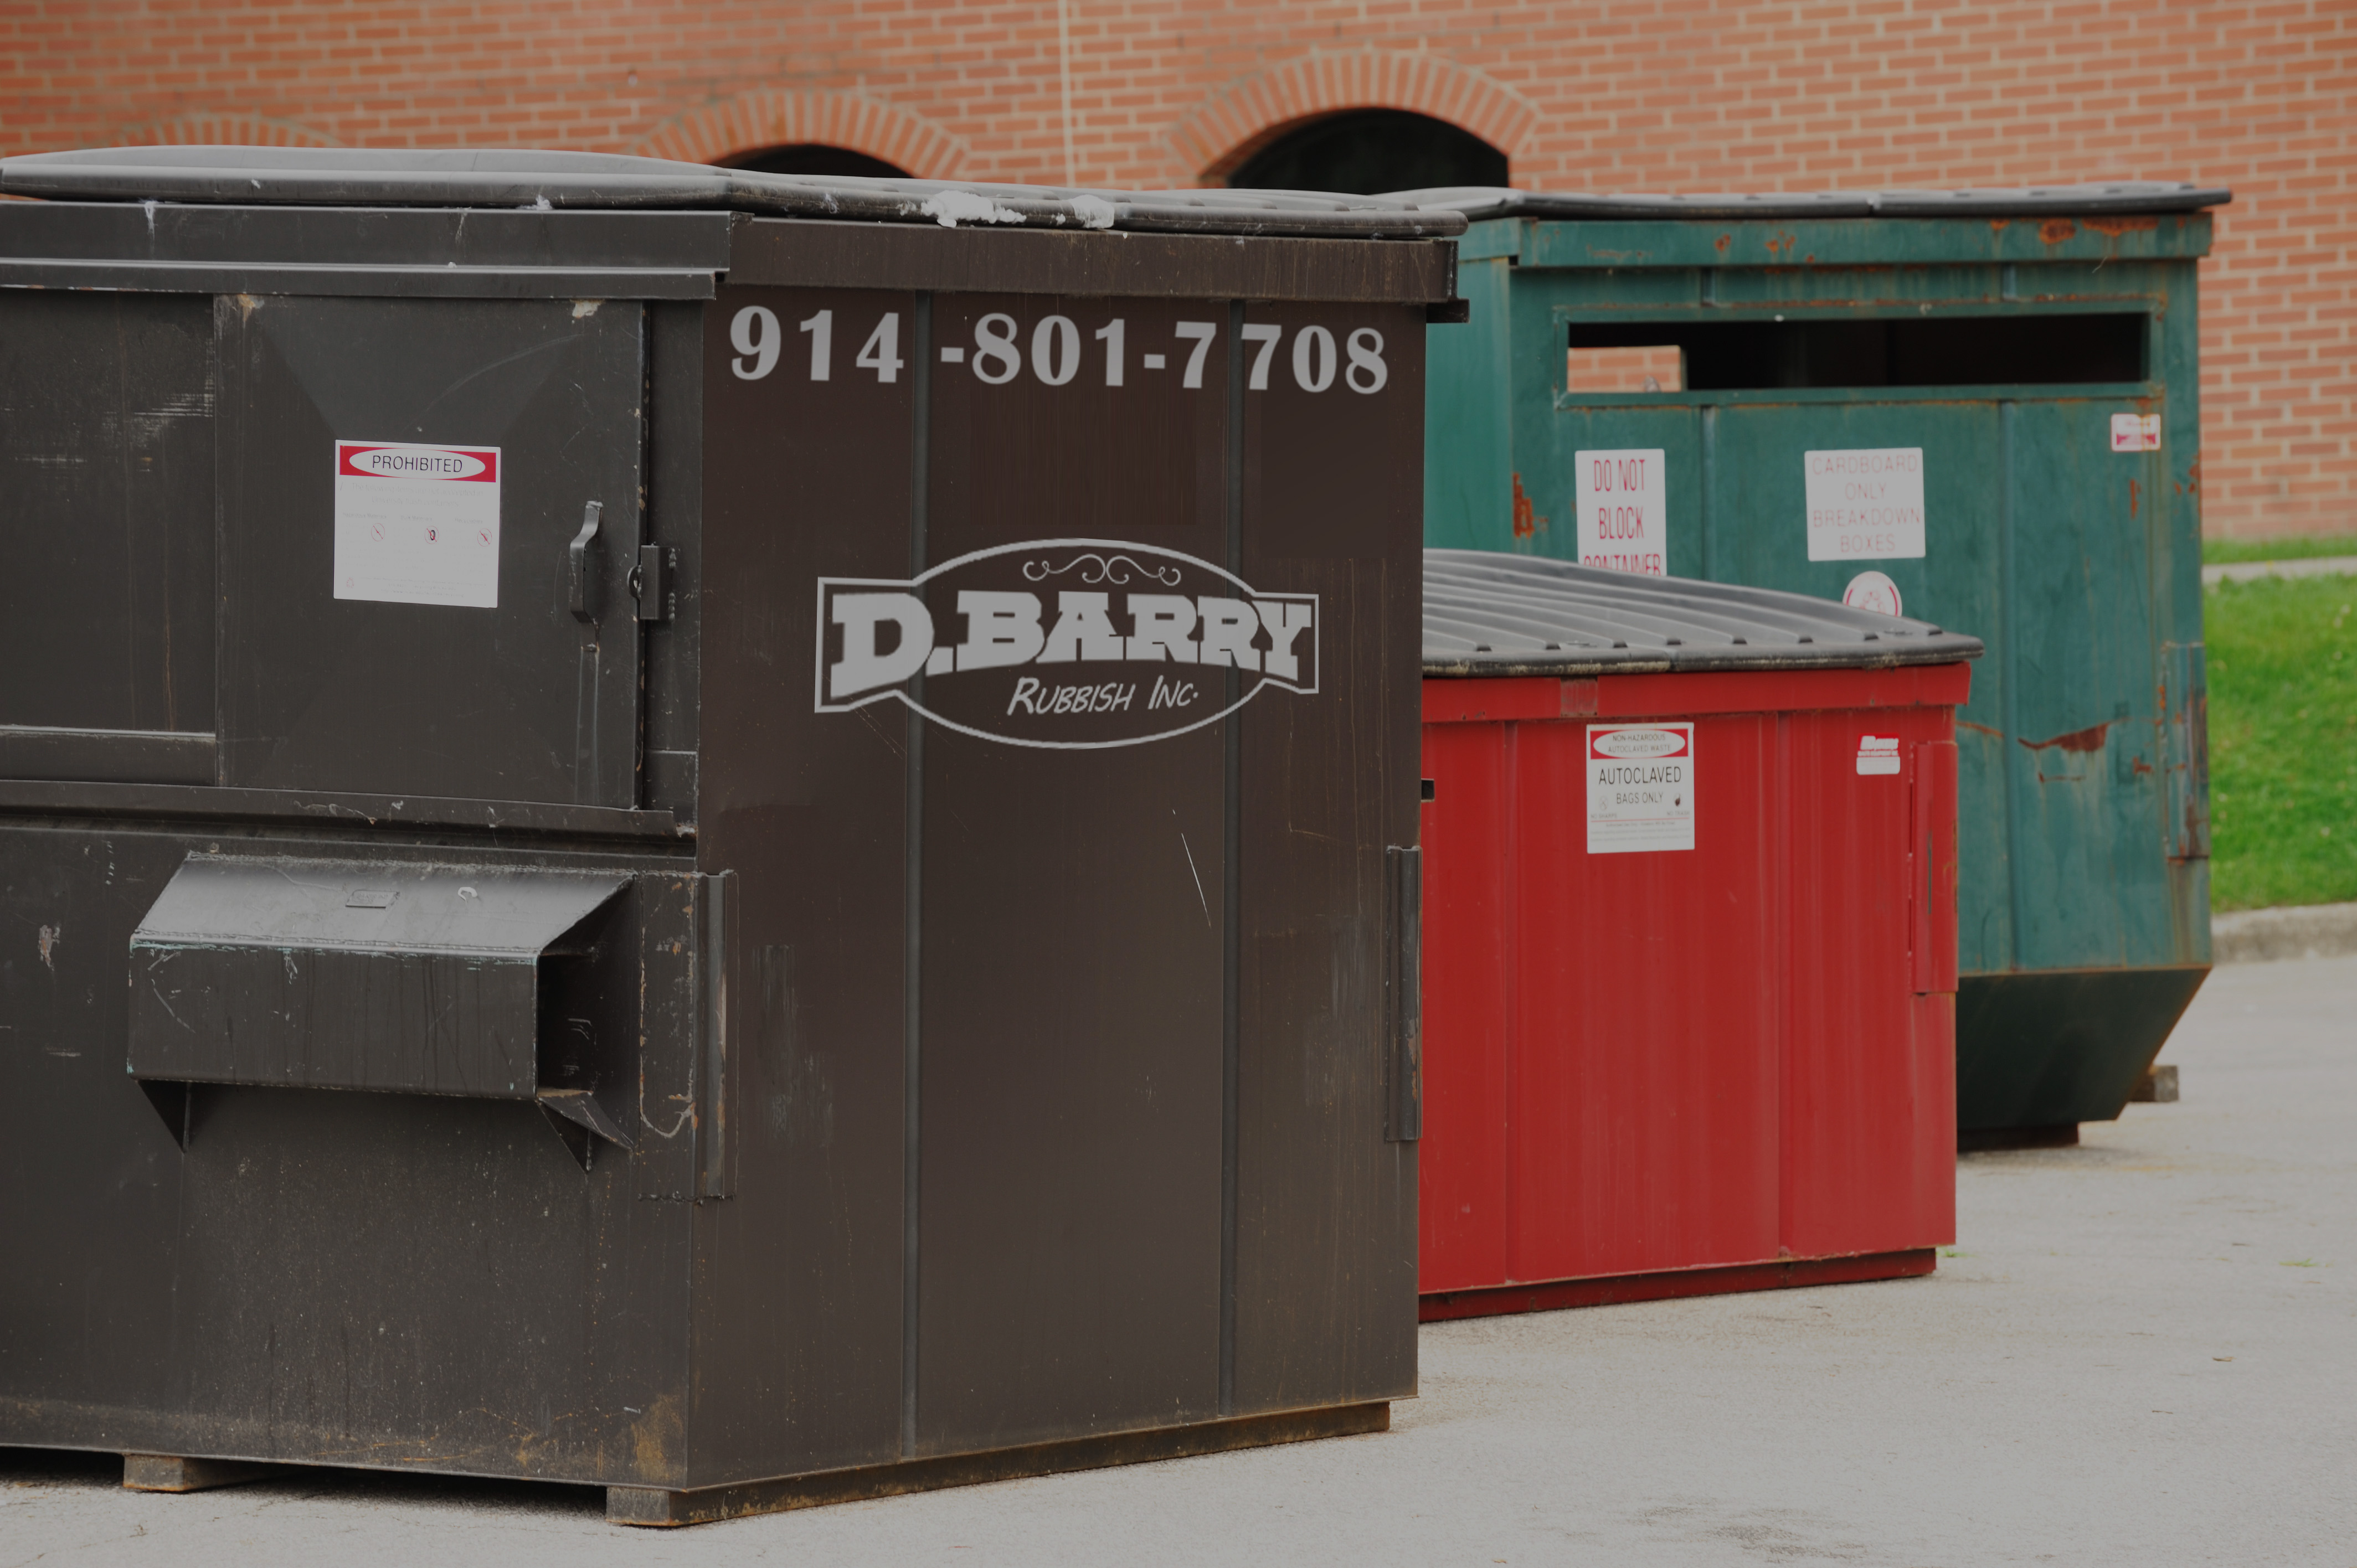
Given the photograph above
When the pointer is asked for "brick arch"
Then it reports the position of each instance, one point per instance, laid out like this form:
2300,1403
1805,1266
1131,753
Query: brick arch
225,131
1241,120
780,117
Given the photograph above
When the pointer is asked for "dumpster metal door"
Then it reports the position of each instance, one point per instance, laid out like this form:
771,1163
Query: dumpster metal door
1070,1195
328,684
106,411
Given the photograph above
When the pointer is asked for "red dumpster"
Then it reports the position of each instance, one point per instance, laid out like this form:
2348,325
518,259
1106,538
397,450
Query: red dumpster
1690,948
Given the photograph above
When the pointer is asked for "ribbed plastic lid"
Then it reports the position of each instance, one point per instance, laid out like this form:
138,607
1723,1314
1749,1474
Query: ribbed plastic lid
356,177
1489,614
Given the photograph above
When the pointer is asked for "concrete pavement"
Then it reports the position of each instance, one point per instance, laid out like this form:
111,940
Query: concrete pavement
2144,1350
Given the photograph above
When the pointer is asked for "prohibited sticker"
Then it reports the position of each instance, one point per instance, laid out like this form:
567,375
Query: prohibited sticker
1640,787
417,524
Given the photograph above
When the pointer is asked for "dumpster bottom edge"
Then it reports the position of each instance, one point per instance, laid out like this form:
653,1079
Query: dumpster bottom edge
1785,1273
654,1506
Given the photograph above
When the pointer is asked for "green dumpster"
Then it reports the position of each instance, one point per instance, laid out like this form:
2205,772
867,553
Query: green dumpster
1980,407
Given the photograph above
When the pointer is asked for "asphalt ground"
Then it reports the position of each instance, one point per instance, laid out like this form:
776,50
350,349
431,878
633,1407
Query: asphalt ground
2143,1351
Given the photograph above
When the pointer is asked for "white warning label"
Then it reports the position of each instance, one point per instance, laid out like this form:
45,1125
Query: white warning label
1623,506
1877,754
1865,503
417,525
1640,784
2135,432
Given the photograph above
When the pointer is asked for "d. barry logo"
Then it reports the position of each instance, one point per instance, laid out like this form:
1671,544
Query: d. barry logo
1065,643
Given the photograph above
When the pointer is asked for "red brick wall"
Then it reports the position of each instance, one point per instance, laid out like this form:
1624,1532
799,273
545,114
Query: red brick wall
1645,94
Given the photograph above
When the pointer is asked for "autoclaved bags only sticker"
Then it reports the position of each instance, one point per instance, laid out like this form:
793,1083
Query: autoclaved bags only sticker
417,525
1641,785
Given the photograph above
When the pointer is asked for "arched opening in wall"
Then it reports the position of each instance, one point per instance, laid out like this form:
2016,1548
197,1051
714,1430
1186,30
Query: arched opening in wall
815,158
1365,151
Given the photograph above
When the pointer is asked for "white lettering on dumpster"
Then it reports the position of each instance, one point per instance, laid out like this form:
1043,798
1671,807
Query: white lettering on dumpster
1620,499
417,525
1865,503
1640,787
1035,616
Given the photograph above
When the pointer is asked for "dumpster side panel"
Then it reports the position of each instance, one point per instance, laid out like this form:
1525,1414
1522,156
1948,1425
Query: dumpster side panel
106,413
1467,481
799,1321
2085,768
1069,1259
388,1280
86,1297
1470,876
1325,1221
1870,1079
1759,536
328,685
1646,1088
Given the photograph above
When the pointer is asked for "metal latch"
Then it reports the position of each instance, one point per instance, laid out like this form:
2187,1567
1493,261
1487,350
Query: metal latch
650,582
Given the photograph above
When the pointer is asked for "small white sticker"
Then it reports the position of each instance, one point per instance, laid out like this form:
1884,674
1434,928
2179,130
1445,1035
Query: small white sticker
2135,432
1621,502
1640,784
1865,503
1877,754
1872,591
417,525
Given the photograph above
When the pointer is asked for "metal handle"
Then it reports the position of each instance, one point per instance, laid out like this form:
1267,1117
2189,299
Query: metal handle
1404,1121
585,566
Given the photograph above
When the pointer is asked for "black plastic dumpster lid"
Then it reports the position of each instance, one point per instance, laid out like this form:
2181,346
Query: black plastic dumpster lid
357,177
1489,614
2129,196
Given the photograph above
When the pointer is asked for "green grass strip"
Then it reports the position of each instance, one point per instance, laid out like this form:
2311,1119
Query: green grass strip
2283,741
2299,547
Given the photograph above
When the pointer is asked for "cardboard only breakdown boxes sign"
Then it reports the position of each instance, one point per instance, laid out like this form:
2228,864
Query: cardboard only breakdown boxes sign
1865,503
1623,511
1640,787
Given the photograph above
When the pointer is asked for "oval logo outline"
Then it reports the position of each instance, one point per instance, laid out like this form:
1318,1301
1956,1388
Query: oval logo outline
1096,563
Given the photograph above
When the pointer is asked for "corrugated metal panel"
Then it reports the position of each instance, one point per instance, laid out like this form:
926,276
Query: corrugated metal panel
1490,614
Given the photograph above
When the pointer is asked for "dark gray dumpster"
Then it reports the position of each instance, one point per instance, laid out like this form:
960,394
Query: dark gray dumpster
742,839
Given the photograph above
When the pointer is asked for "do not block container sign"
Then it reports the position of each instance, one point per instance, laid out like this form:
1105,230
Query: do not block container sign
1977,407
832,774
1689,938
